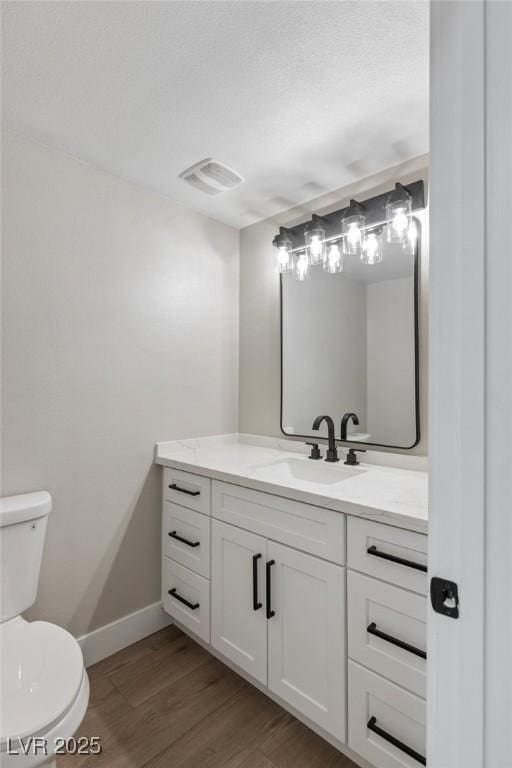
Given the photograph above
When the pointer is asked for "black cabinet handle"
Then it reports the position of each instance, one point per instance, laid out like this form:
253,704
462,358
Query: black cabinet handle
181,599
372,725
174,535
175,487
270,612
372,630
256,605
394,559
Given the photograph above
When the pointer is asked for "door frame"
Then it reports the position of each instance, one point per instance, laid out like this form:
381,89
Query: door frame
470,374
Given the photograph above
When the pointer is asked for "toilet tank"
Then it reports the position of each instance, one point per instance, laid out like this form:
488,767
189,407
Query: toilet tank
22,530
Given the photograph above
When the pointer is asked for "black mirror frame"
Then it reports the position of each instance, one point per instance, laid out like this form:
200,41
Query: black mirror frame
354,443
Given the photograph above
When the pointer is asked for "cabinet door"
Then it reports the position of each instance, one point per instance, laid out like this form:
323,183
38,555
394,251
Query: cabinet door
239,626
306,636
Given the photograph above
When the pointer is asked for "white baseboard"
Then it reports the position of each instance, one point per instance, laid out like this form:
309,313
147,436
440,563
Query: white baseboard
105,641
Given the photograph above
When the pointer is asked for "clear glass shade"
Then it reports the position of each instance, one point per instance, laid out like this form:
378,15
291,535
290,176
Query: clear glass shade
334,259
372,248
315,246
412,237
283,260
398,216
301,265
351,227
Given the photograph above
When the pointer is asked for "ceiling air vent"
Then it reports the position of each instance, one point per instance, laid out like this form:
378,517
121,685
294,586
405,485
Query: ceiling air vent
211,177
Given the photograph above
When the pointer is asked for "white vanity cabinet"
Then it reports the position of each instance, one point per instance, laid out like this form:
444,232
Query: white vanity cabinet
306,636
186,550
279,614
239,623
325,611
387,635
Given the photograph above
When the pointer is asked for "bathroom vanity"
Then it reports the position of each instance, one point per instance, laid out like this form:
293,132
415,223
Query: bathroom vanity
309,579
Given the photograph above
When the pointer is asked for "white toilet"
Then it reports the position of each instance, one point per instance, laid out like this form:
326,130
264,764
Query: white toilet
44,688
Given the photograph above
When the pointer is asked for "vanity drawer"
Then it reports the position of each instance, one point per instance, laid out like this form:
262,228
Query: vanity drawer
190,602
187,490
392,554
386,724
302,526
387,630
186,537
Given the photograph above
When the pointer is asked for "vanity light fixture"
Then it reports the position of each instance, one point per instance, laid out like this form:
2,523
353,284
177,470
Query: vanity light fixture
301,266
314,237
398,215
283,260
334,260
351,228
357,231
372,247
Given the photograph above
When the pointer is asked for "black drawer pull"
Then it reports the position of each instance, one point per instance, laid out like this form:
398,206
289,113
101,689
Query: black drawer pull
270,612
181,599
394,559
372,630
175,487
256,605
174,535
372,725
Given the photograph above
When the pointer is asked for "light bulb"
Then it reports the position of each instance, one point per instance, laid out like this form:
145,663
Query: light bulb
314,237
400,222
282,254
315,246
283,258
412,236
301,271
372,248
351,227
334,260
398,215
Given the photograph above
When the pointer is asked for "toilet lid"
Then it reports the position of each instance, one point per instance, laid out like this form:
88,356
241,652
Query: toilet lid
41,671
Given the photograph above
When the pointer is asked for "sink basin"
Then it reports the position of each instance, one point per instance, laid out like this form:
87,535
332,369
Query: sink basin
304,471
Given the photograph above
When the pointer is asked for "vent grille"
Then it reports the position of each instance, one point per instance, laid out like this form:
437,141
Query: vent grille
222,175
200,184
211,177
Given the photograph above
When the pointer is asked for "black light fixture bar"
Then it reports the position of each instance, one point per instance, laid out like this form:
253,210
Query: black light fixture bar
374,210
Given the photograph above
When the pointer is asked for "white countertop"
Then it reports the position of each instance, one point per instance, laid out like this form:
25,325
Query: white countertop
378,489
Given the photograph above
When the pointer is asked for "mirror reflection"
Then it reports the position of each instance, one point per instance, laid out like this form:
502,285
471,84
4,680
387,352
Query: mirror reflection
349,346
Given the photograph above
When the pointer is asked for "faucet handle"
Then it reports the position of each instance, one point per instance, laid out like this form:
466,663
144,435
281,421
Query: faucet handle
315,452
351,459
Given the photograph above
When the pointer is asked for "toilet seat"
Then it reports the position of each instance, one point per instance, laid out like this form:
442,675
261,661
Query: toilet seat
42,672
62,729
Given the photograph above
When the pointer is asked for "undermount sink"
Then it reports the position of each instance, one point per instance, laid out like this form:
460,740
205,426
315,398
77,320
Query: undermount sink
303,470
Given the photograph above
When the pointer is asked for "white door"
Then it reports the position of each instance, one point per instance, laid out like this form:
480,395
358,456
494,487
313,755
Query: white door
455,689
306,635
239,625
470,523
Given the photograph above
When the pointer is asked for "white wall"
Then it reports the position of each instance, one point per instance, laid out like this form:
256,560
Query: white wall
324,364
390,361
260,363
120,328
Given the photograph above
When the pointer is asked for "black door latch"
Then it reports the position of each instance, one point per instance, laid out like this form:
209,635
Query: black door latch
444,595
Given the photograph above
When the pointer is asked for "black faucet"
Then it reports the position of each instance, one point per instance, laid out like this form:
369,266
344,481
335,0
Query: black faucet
332,453
315,452
351,459
345,420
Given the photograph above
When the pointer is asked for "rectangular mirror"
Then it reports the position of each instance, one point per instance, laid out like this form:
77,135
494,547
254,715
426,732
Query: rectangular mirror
349,344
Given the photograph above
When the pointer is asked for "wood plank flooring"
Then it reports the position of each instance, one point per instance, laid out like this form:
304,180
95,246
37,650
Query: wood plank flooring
166,703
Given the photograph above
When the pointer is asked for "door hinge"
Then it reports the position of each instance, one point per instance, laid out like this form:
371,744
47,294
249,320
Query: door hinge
444,595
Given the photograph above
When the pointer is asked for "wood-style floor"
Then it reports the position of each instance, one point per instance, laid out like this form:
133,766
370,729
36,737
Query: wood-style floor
166,703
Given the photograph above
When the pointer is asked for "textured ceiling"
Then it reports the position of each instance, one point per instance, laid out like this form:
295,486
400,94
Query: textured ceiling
298,97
